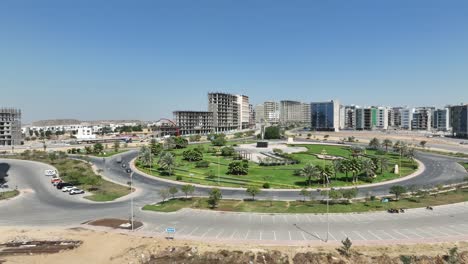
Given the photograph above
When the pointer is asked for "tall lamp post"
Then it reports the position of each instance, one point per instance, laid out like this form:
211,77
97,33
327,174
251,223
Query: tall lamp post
218,153
131,197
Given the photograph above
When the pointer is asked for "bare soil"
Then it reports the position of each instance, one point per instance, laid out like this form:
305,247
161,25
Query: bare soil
115,223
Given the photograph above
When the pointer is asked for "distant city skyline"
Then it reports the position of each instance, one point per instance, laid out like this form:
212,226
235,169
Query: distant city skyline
143,60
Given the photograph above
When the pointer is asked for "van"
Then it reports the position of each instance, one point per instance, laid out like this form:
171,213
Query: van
50,173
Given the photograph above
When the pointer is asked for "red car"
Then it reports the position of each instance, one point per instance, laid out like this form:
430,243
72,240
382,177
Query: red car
53,180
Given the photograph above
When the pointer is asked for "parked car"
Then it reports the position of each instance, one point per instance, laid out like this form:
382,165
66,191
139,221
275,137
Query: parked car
76,191
56,182
63,184
68,188
50,172
55,179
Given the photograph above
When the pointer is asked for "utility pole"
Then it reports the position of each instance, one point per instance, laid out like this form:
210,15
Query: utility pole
131,200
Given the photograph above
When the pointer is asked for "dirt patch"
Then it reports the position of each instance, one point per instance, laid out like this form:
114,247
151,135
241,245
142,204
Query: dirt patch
36,247
115,223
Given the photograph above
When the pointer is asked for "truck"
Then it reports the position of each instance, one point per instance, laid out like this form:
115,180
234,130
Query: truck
118,159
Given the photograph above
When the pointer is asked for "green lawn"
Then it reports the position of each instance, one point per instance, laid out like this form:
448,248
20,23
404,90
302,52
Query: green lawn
8,194
464,164
309,206
278,176
80,174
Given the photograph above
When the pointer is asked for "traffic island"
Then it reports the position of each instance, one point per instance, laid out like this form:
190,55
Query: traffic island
116,223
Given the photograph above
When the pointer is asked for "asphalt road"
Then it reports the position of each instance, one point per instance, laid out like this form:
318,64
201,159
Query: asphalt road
42,205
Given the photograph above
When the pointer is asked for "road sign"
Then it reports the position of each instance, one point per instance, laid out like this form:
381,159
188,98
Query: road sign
170,230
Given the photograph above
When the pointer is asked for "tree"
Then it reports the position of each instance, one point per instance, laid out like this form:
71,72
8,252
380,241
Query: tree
368,167
218,139
155,147
227,151
345,167
214,197
423,143
273,132
410,154
397,190
88,149
116,146
355,167
387,143
337,166
179,142
325,172
194,138
309,171
167,162
164,193
384,164
350,194
253,190
173,190
304,193
192,155
374,143
238,168
188,190
145,156
98,148
355,151
346,247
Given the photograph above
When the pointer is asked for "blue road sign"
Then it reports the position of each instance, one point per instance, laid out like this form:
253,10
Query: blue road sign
170,230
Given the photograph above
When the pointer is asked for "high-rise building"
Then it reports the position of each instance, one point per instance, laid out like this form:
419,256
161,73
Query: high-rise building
364,118
294,112
441,119
271,112
225,109
394,117
406,118
244,111
194,122
459,120
259,113
380,117
251,116
325,116
422,118
349,117
10,127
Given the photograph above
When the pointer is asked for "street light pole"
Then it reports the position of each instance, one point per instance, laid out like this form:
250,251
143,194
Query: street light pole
328,211
131,200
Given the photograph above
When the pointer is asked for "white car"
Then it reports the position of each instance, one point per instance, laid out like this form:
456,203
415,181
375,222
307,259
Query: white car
68,188
76,191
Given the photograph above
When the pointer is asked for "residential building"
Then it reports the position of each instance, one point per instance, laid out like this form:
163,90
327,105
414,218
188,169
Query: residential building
422,118
441,119
349,117
394,117
459,120
406,118
271,112
259,113
10,127
194,122
294,112
225,109
244,112
251,116
85,133
380,117
364,118
325,116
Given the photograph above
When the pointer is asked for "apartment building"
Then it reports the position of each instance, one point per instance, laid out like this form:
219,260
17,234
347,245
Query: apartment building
244,112
406,118
252,116
259,113
194,122
380,117
459,120
441,119
325,116
422,118
348,117
225,109
271,112
294,112
10,127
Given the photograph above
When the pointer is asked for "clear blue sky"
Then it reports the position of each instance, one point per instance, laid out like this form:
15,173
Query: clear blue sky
144,59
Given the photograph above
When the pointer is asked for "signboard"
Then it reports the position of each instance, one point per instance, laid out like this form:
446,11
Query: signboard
170,230
50,172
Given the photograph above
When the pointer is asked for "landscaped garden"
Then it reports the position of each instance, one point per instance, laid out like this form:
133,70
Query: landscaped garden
78,173
220,164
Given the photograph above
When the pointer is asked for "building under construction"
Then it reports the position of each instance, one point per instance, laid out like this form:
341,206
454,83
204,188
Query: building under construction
10,127
194,122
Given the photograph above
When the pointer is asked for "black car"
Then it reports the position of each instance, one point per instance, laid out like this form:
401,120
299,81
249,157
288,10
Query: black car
63,184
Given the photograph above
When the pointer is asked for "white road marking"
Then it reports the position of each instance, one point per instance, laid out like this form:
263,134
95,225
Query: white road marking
233,233
376,236
209,229
357,233
451,230
274,235
303,236
437,231
222,231
193,231
387,234
289,232
260,235
317,235
399,233
285,219
412,232
310,220
297,218
332,236
246,235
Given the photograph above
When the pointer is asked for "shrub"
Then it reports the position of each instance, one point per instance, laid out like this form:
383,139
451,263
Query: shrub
227,151
202,164
238,168
266,185
192,155
178,178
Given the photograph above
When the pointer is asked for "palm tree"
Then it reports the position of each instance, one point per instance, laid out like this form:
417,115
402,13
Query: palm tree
146,156
345,167
309,171
387,143
368,167
383,164
409,153
324,172
167,162
374,143
355,151
337,164
423,143
355,167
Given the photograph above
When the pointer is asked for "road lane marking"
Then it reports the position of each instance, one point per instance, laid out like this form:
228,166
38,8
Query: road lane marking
193,231
317,235
289,232
412,232
233,233
387,234
376,236
362,237
260,235
399,233
246,235
303,236
222,231
329,233
274,235
209,229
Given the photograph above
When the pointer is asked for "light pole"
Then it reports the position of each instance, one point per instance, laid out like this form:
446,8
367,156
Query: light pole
218,153
328,209
131,198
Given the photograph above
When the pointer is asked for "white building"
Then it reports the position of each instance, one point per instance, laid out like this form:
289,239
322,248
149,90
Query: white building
85,133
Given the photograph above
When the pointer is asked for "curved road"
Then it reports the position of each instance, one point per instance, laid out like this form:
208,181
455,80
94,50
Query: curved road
41,205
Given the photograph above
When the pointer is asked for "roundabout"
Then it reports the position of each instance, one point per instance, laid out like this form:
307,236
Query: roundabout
44,207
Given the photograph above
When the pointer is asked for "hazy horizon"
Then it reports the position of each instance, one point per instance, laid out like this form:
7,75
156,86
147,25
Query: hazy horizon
141,60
